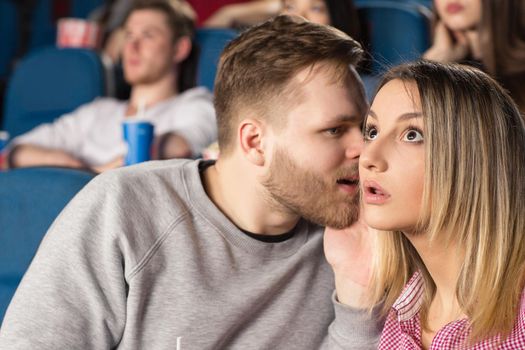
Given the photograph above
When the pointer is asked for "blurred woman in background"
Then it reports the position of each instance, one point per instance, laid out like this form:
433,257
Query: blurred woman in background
340,14
487,33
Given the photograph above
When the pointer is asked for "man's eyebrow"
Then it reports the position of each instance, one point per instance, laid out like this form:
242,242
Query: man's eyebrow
404,116
148,27
345,118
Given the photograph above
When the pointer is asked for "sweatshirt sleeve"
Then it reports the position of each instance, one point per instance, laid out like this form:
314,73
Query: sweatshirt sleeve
353,329
73,295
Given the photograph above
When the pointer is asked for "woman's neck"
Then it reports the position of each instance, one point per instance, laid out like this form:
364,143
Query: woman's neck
443,262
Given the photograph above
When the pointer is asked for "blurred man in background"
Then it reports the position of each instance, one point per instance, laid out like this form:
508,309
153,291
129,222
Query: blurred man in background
160,66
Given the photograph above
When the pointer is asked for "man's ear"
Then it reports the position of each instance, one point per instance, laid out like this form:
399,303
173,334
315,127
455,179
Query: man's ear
182,49
252,137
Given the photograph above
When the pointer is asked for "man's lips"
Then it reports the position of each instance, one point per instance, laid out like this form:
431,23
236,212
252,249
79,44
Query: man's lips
373,193
133,61
349,184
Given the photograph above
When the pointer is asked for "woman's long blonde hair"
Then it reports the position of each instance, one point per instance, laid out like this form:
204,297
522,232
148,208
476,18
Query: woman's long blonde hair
474,189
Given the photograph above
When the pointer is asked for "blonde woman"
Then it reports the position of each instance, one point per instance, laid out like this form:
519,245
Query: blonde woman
442,176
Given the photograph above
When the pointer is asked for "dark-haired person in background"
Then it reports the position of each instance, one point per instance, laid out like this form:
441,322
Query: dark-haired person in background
486,33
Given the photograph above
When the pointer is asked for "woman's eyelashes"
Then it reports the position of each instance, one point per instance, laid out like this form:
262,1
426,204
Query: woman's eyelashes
370,132
412,134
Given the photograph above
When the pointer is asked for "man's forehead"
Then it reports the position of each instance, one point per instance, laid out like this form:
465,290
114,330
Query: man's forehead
147,18
328,74
308,82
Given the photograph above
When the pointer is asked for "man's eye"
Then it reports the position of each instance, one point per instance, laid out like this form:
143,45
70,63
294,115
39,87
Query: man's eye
334,131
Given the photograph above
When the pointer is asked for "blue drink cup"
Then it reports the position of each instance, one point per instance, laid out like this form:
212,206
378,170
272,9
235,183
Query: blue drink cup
4,139
138,135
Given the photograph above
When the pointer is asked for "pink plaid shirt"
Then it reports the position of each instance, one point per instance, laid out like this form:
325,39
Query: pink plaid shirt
403,330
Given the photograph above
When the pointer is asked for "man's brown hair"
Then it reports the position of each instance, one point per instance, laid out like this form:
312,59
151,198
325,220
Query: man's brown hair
179,19
181,22
256,68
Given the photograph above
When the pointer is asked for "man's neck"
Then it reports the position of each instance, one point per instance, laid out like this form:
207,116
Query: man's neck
244,201
148,95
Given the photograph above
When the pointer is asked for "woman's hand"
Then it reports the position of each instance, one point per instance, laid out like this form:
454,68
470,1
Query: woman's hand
448,46
349,252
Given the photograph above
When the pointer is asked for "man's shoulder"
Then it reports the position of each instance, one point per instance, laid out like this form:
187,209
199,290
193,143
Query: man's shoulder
196,94
196,100
97,106
145,199
148,177
106,102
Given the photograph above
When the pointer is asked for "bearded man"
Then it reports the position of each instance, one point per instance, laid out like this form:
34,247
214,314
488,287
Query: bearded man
225,254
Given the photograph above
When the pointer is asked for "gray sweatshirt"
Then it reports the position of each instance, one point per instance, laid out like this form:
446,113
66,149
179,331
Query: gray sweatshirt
142,259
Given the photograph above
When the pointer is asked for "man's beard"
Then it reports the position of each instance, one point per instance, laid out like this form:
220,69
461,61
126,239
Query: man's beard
309,195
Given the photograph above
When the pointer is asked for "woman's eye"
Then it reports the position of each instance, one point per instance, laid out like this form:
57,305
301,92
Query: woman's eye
288,7
370,133
318,9
413,136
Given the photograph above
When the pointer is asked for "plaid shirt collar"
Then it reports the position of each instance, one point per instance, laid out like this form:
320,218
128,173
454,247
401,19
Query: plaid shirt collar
403,330
409,302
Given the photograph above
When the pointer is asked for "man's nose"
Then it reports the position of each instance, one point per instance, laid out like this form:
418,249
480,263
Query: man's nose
355,144
133,43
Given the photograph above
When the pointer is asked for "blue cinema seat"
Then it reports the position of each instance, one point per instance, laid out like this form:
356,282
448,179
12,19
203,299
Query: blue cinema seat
30,200
49,83
211,43
427,3
83,8
397,31
8,35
